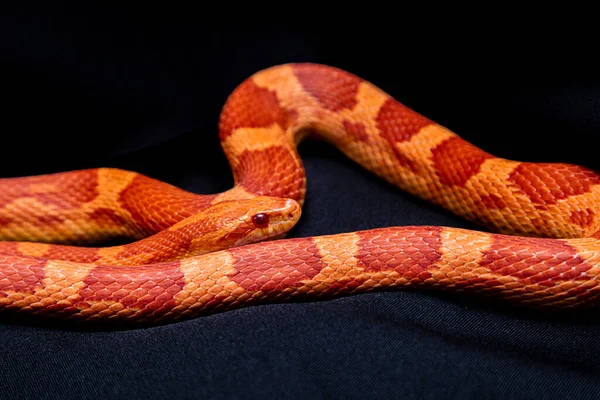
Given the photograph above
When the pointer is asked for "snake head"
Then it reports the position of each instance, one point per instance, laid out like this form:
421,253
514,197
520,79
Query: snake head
266,218
231,223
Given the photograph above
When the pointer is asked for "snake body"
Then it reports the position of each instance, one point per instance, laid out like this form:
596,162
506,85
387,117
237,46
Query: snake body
543,251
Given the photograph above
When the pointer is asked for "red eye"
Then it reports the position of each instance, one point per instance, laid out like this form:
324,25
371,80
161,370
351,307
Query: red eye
260,220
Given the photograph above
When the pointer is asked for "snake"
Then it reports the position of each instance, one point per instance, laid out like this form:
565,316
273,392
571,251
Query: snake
192,254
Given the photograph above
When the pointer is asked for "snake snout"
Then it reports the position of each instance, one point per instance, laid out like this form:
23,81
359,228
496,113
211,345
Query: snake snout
287,212
293,209
283,213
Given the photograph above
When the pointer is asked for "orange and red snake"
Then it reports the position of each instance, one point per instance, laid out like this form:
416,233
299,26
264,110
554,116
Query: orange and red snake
194,254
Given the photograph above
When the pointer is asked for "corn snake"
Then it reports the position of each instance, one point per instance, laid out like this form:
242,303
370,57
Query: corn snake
543,253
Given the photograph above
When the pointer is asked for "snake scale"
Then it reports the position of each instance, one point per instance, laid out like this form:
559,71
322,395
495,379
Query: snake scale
196,254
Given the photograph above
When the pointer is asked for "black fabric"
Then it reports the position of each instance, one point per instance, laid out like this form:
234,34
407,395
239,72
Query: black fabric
114,88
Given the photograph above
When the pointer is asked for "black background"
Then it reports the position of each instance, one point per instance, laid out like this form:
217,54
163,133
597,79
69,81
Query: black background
116,88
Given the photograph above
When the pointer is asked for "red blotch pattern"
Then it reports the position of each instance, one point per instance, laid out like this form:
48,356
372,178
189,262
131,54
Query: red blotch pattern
583,218
9,247
72,253
106,214
547,183
150,288
281,265
50,219
250,106
456,160
6,220
155,205
356,130
151,254
273,171
534,260
69,191
335,90
493,202
410,251
42,220
398,123
165,245
20,274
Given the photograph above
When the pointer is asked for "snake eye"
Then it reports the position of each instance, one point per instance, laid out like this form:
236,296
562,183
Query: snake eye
260,220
